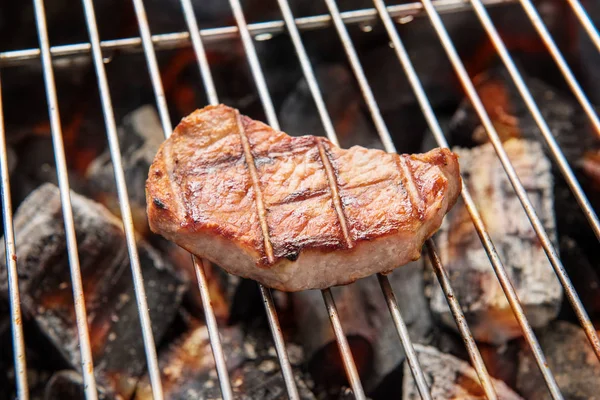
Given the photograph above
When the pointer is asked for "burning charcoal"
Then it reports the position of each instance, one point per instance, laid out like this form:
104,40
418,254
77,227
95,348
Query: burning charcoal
317,337
477,289
139,139
299,115
188,369
407,282
573,133
110,299
511,118
571,360
449,378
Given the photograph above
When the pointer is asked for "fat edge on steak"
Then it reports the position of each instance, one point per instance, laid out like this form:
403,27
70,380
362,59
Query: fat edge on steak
294,213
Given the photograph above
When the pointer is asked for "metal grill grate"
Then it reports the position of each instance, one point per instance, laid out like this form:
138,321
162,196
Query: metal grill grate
149,44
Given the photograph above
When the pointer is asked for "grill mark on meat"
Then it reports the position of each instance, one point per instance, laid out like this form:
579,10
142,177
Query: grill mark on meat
335,195
176,193
258,196
299,196
408,180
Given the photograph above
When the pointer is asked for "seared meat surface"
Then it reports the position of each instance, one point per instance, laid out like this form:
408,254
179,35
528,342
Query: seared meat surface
294,213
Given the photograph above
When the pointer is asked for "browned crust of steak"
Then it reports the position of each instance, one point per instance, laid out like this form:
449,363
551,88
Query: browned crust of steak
294,212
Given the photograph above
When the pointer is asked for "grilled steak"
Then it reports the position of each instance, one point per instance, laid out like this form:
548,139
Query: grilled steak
294,213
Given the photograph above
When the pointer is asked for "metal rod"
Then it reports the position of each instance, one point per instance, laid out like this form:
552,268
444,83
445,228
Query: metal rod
161,103
87,365
516,183
585,20
159,93
182,39
344,347
560,61
342,31
20,360
204,67
307,69
213,329
559,158
434,126
461,322
330,131
257,73
385,135
286,367
267,103
411,355
211,93
124,204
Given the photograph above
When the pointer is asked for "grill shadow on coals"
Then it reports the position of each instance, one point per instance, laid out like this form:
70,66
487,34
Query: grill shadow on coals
354,86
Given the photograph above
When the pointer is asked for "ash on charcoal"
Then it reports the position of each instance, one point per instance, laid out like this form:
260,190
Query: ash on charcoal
46,292
188,369
571,360
473,279
299,115
449,378
579,143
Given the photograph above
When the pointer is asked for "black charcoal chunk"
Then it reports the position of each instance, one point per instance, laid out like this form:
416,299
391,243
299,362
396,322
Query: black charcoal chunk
299,115
571,360
408,284
477,289
46,292
449,378
317,337
140,136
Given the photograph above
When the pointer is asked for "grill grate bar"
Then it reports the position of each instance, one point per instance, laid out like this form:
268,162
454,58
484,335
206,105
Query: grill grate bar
20,360
211,93
182,39
87,365
441,274
411,355
293,31
344,347
267,103
560,159
204,67
461,323
512,175
330,131
586,22
560,61
125,207
213,331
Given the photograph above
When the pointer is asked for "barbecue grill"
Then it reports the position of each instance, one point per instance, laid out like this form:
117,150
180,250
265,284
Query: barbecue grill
149,44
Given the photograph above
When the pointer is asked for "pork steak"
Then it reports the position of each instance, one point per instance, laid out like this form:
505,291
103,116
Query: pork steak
294,213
